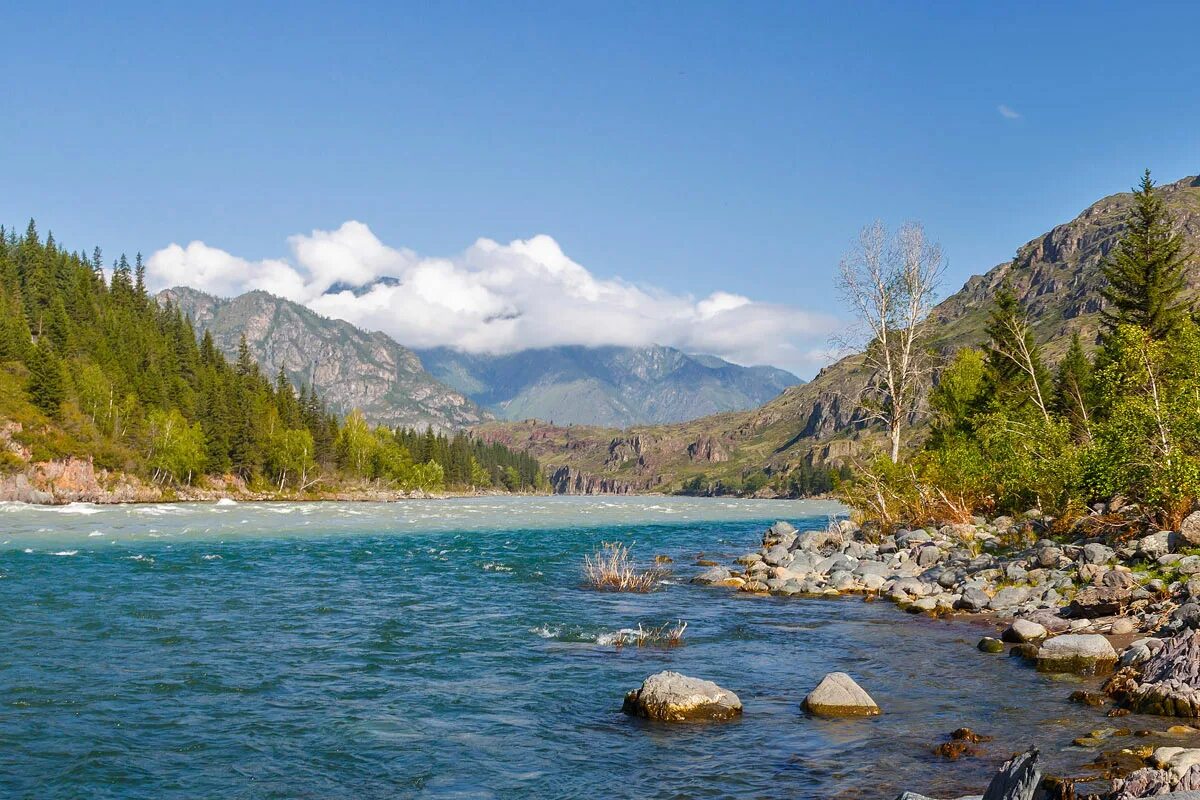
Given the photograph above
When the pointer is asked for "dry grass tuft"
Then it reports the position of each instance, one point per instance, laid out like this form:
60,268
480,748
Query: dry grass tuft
665,635
612,568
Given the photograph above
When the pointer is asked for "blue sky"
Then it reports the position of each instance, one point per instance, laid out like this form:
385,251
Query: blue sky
690,148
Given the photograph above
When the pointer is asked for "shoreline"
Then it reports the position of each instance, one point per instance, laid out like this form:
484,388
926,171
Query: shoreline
1074,606
76,480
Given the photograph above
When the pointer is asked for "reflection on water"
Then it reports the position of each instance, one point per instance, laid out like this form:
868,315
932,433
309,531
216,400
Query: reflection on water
447,649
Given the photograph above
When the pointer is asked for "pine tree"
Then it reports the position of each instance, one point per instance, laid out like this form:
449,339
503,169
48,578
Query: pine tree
1146,271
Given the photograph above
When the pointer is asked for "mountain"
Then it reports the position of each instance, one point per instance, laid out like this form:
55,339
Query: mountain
609,386
1057,276
351,368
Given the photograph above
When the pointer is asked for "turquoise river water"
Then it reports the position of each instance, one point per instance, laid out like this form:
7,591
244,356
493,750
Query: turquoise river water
448,649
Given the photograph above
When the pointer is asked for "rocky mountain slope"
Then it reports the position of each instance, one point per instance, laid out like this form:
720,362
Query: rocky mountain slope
351,368
610,386
1057,276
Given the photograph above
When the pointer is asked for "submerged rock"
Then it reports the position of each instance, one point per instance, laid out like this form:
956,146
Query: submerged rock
673,697
989,644
1076,652
837,695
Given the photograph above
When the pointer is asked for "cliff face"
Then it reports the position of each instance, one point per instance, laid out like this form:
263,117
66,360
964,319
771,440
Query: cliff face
349,367
1057,276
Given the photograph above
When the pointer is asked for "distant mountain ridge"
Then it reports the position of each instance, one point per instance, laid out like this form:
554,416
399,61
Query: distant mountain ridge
611,386
351,368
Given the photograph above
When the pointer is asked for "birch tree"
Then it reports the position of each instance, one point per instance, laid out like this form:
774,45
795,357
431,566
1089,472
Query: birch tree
890,282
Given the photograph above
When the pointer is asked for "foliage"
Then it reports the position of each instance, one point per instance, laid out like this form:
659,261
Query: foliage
176,447
1006,438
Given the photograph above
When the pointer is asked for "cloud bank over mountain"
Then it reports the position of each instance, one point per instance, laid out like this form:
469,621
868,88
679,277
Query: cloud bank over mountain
497,298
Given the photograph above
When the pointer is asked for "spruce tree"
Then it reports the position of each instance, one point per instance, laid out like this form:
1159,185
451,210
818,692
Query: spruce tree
1146,271
46,385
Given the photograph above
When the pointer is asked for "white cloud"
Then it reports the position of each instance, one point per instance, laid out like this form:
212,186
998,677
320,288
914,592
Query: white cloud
1007,112
497,298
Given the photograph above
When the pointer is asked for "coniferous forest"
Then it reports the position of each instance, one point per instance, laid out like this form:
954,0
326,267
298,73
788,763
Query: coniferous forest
92,366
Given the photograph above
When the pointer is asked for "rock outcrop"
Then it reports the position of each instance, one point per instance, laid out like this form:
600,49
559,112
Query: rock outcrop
568,480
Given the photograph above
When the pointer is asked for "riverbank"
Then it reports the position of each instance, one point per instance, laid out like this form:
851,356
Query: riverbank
1107,597
76,480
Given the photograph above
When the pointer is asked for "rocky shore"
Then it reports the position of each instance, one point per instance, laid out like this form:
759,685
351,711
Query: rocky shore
1110,596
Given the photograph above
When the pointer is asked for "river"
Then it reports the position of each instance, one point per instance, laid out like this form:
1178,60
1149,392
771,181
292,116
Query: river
448,649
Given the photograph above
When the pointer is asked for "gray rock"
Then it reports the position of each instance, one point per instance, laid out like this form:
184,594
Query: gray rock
1076,652
837,695
1009,597
711,576
1015,572
672,697
1118,579
778,556
1022,630
781,528
911,587
1154,545
1096,553
871,568
973,599
928,555
910,538
1189,530
1121,626
1049,556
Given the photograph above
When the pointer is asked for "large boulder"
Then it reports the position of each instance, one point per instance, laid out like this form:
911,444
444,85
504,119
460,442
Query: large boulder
672,697
1189,530
837,695
1099,601
1076,652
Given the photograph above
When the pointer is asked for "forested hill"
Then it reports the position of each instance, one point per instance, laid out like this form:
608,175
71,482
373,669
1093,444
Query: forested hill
91,367
1056,277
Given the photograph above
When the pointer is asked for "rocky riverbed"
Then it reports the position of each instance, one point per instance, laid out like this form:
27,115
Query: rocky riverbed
1110,596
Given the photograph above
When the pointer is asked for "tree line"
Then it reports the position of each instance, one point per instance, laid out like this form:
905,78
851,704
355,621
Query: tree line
118,377
1119,415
